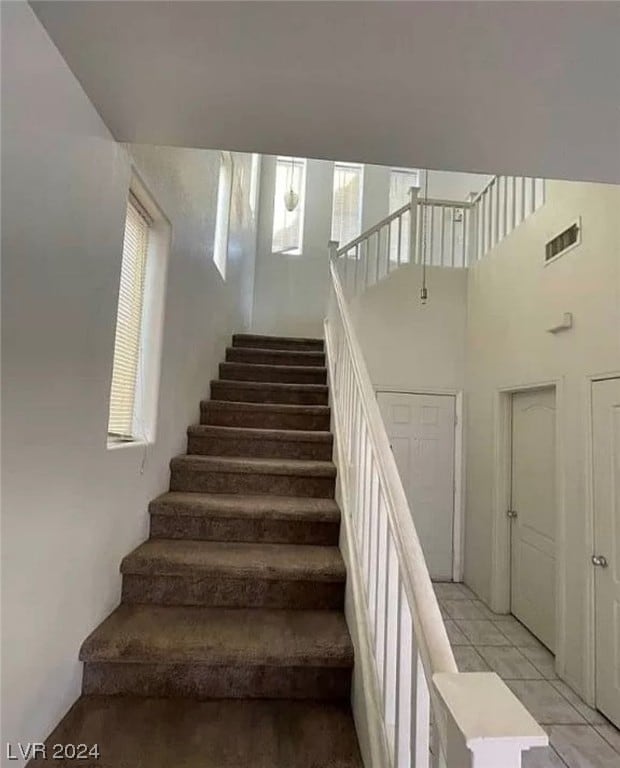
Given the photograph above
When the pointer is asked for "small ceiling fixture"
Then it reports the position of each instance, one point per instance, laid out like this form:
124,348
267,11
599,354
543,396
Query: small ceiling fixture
291,198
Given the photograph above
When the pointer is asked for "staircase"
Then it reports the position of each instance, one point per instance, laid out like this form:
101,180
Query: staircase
230,648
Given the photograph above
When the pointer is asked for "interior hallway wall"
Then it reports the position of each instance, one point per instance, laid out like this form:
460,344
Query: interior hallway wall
513,298
72,508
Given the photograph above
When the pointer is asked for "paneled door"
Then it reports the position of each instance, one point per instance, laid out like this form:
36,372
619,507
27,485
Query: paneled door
533,512
421,433
606,555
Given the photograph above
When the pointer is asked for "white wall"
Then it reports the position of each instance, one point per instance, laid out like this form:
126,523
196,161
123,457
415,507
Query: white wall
409,346
291,291
512,299
71,508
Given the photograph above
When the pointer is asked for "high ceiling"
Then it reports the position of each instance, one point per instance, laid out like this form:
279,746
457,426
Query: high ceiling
517,87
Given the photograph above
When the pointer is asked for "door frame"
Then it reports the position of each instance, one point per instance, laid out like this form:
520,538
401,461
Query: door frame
458,501
502,488
589,637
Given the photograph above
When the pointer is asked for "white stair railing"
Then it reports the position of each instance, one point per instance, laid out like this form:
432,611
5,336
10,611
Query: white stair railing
443,233
500,207
430,713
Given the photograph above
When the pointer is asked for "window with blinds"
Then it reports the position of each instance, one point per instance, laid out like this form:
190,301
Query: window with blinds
401,179
222,214
127,341
347,202
288,225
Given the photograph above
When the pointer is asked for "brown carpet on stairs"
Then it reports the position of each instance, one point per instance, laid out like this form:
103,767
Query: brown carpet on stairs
230,648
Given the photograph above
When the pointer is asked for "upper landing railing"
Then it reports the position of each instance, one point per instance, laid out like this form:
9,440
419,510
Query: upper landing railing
444,233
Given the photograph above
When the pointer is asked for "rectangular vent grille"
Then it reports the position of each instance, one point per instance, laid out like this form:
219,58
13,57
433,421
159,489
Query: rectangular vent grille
563,242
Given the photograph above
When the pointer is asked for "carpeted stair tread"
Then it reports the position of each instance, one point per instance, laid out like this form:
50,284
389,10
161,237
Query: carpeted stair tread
135,732
261,415
276,342
152,634
240,465
278,374
258,506
236,560
282,386
257,433
284,408
269,392
274,356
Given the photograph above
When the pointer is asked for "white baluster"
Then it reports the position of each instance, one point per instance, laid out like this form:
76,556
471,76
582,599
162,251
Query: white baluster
442,223
404,674
389,659
373,542
505,207
413,222
453,235
497,210
420,712
400,235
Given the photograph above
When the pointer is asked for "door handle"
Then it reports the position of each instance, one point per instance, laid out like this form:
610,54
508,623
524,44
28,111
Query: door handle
511,513
600,560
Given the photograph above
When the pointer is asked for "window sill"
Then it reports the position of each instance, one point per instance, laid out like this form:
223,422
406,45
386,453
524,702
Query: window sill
287,253
114,445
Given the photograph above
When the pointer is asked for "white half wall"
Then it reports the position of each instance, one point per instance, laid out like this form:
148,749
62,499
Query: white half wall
72,508
409,346
513,298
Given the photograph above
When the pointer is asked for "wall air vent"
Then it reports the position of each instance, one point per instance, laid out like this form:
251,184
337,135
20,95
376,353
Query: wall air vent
560,244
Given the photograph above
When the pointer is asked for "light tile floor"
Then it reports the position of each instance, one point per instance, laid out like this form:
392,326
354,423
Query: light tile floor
580,737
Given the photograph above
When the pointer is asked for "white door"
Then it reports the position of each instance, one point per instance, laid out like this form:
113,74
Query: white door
421,432
606,556
533,510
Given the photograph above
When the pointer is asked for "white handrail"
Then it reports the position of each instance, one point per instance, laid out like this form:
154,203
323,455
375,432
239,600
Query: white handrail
372,230
478,722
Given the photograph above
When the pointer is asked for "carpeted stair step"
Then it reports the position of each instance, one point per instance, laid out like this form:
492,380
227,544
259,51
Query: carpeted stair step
236,517
269,392
204,653
287,374
280,477
277,342
274,356
263,443
134,732
239,575
265,415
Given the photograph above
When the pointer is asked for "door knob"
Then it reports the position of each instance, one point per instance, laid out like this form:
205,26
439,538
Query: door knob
599,560
511,513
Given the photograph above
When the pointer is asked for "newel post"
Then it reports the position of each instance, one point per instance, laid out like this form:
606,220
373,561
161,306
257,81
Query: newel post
332,246
486,725
413,223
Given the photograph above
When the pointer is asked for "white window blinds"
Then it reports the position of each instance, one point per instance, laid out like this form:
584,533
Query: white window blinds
347,202
129,322
401,179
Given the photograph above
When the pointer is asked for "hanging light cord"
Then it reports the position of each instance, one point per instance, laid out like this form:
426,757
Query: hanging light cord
424,222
